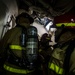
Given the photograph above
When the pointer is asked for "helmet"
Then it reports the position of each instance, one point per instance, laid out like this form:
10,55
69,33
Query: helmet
24,18
67,19
66,27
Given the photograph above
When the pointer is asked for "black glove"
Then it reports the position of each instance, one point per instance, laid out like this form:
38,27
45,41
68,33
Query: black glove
44,42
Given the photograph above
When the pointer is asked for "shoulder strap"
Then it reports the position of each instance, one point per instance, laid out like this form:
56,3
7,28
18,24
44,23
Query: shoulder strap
69,50
23,44
23,37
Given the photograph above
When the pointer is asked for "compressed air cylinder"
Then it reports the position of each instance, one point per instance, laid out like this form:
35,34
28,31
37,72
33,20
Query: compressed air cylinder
32,46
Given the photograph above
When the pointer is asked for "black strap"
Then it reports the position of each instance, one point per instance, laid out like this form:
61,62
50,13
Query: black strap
69,51
23,37
23,43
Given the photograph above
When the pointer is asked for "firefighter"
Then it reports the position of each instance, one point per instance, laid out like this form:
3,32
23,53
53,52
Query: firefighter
12,48
48,42
62,58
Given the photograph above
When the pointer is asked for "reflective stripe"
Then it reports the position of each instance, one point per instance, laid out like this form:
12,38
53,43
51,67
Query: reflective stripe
65,24
16,47
55,68
40,50
16,70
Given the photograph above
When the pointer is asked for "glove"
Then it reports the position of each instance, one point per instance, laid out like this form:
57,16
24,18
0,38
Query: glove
44,42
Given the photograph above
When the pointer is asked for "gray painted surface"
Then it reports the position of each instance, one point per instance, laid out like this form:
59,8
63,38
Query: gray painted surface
7,9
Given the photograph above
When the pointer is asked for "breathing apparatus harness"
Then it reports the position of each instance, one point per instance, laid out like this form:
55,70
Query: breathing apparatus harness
29,44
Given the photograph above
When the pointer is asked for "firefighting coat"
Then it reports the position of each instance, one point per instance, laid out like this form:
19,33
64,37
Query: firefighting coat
62,59
11,41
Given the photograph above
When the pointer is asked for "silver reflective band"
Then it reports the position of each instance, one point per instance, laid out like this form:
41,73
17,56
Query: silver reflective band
48,25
